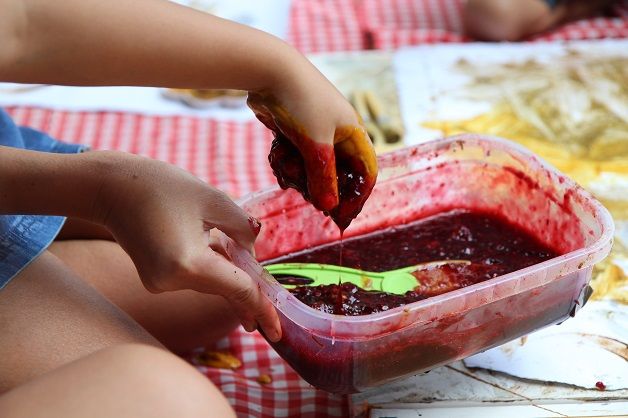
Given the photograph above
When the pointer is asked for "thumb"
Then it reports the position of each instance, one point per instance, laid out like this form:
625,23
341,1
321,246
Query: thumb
225,215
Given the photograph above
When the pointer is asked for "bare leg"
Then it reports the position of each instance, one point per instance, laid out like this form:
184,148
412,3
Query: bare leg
506,20
50,317
124,381
511,20
65,352
181,320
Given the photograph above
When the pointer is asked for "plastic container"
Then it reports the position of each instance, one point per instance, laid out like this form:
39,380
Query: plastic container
349,354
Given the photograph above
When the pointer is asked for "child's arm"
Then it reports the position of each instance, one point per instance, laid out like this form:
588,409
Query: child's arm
140,43
159,214
158,43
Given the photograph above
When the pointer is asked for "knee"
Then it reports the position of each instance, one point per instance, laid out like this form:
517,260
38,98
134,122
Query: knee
493,20
165,382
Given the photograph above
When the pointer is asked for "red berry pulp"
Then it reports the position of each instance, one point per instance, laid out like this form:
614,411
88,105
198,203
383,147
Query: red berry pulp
493,246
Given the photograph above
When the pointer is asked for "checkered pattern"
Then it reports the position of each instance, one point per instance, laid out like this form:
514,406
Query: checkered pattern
395,23
391,24
325,26
228,155
232,156
286,396
598,28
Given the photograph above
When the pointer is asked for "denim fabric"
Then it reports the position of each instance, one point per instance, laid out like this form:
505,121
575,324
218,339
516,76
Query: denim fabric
24,237
551,3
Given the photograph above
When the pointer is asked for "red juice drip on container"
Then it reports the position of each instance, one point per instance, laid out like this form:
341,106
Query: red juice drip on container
354,179
339,309
353,189
340,252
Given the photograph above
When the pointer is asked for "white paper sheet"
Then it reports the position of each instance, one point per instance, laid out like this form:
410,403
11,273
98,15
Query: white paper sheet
592,347
144,100
429,82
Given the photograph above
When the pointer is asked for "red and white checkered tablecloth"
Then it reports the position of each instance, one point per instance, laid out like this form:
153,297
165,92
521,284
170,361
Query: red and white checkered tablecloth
229,155
391,24
287,395
233,156
325,26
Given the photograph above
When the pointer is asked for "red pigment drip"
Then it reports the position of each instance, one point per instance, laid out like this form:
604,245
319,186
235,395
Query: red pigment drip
340,243
338,307
600,385
289,167
255,225
494,247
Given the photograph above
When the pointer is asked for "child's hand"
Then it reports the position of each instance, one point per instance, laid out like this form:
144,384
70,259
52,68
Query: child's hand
203,52
317,132
162,217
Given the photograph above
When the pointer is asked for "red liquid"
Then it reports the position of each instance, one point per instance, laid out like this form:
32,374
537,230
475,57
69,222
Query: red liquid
339,298
290,169
493,246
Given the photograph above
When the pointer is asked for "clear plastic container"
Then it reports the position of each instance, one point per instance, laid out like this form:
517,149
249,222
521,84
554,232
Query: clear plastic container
349,354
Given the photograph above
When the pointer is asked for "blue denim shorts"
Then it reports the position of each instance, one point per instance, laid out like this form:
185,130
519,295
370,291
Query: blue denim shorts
24,237
551,3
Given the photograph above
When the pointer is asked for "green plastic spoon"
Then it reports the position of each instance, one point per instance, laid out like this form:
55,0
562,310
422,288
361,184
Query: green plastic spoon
397,281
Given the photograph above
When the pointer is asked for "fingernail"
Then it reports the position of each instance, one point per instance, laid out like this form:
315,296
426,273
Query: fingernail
255,225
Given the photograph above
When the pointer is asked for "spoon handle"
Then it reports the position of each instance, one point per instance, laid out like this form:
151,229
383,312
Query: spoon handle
426,265
313,274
